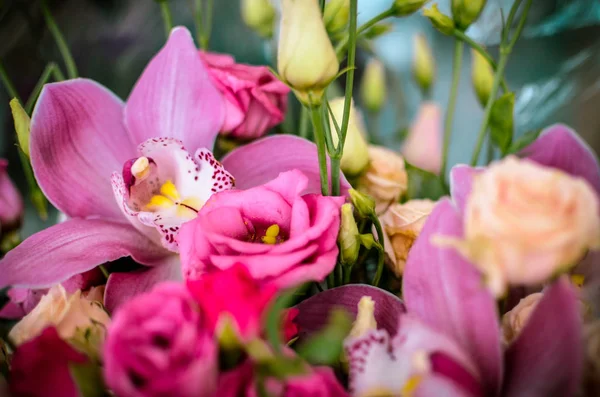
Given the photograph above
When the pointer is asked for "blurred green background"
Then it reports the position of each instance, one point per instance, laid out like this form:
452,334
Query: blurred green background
555,67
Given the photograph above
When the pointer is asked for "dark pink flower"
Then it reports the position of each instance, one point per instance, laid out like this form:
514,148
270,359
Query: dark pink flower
41,365
255,100
11,202
320,382
281,235
160,344
232,297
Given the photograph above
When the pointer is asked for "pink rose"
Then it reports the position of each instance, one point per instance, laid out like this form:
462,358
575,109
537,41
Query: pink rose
232,298
41,365
423,145
159,344
255,100
282,236
11,203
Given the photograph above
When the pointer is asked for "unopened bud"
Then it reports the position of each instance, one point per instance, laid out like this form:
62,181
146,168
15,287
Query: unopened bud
423,64
355,157
378,30
407,7
372,89
364,204
440,21
348,236
22,125
482,75
336,15
465,12
365,318
306,59
259,15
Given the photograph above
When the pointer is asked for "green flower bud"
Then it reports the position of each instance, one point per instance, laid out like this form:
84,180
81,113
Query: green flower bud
336,15
364,204
423,64
356,149
22,122
378,30
465,12
348,236
482,75
372,88
441,22
407,7
259,15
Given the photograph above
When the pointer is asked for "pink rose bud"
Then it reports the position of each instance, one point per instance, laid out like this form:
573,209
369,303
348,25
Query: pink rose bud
11,203
423,145
255,100
160,344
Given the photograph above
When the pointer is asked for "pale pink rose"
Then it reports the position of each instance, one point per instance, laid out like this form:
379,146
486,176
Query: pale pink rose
525,223
11,203
385,179
255,100
160,344
402,224
514,320
68,313
282,235
423,145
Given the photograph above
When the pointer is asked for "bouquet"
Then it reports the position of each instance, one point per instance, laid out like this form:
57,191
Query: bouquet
198,253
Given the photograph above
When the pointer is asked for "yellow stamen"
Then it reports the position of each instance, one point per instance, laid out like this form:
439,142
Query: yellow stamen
269,240
411,385
169,190
271,234
160,202
578,279
140,168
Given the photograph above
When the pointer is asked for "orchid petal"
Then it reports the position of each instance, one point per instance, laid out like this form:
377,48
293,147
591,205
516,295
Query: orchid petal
263,160
77,140
121,287
461,183
447,292
72,247
175,97
314,311
546,358
560,147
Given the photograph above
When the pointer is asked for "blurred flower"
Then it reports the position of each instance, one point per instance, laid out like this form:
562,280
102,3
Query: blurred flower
356,156
407,7
336,15
482,76
348,236
320,381
423,145
365,318
281,235
255,100
514,320
42,366
385,179
11,203
423,63
440,21
306,59
67,313
232,298
290,328
403,224
259,15
373,86
525,223
465,12
160,344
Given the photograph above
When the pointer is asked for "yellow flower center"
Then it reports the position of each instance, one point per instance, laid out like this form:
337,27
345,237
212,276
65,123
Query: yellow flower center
169,197
578,280
271,234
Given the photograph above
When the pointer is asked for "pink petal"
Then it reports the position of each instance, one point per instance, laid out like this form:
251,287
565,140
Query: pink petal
314,311
121,287
72,247
11,202
263,160
437,385
546,359
423,145
447,293
77,141
560,147
461,182
175,97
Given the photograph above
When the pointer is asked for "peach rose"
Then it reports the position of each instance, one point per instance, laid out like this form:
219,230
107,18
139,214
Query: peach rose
385,179
514,320
67,313
403,224
525,223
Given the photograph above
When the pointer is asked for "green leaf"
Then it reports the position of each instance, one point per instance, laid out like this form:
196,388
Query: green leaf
523,141
326,346
501,121
423,184
282,367
88,378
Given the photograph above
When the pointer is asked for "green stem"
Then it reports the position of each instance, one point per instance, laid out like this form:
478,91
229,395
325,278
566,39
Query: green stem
322,5
458,54
10,88
166,16
205,38
381,248
198,20
315,112
60,42
505,50
363,28
304,119
48,71
490,152
104,271
347,275
479,48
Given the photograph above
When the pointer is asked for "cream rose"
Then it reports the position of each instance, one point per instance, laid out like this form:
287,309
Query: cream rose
514,320
67,313
385,179
403,224
525,223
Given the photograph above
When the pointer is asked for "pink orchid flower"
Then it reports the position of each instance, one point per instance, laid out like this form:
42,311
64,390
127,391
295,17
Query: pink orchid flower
88,148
